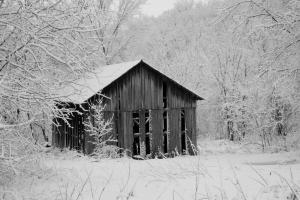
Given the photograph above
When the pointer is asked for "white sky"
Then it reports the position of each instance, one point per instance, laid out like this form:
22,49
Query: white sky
157,7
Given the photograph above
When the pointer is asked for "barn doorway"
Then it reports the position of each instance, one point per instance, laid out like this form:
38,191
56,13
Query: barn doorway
136,149
141,127
165,132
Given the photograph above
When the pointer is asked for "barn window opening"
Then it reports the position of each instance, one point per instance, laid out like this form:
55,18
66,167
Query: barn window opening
136,133
147,131
165,132
165,94
183,131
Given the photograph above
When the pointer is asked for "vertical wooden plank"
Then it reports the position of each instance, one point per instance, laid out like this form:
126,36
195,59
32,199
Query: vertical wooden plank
171,130
126,90
109,101
71,134
128,133
53,129
177,98
154,106
70,131
121,130
171,96
66,137
149,91
111,115
58,133
194,126
76,130
121,86
188,126
114,99
169,99
191,132
160,98
142,97
73,130
157,92
132,93
145,94
182,98
134,90
125,130
125,96
174,129
63,137
140,82
142,132
178,92
139,88
89,146
179,132
129,130
157,130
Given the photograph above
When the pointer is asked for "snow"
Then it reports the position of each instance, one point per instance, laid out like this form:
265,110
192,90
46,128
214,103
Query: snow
220,176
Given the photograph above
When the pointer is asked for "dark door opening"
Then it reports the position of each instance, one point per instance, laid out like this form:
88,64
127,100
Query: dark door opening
148,148
136,148
165,132
183,143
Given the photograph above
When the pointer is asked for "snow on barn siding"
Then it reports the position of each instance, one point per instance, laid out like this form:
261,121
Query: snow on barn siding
150,111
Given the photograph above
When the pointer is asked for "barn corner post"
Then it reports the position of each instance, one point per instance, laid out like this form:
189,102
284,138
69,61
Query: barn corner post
192,132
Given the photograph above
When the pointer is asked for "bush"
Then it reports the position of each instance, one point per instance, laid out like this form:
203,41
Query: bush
100,129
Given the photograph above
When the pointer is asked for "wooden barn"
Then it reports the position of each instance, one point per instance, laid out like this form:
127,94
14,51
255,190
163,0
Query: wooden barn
151,112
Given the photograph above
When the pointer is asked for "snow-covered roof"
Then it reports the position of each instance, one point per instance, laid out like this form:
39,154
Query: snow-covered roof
96,81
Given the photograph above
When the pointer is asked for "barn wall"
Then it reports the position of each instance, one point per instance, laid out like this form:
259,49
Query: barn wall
157,130
139,89
191,129
174,141
142,89
70,136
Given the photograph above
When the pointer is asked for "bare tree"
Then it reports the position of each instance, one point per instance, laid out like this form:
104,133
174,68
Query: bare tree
269,29
42,48
108,18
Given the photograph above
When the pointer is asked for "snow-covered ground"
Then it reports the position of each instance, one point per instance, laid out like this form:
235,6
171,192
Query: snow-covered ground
207,176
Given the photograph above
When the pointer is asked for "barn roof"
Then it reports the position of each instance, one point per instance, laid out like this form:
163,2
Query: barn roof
102,77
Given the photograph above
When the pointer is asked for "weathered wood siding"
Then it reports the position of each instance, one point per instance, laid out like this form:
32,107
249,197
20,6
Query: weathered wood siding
142,89
71,136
